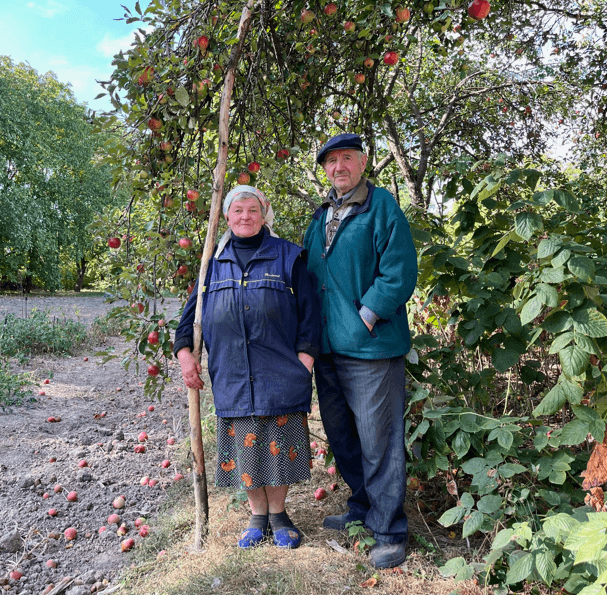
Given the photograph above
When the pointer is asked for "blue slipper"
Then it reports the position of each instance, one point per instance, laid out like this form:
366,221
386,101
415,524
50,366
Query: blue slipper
252,537
287,538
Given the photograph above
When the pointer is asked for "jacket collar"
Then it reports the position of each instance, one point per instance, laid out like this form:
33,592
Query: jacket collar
360,199
267,250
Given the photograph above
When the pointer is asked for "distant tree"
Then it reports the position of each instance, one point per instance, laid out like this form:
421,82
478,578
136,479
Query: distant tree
51,180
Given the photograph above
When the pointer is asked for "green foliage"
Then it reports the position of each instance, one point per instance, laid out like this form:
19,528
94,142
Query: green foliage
14,388
40,333
358,533
523,284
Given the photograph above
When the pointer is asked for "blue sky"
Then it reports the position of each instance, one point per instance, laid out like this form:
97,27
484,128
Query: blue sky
76,39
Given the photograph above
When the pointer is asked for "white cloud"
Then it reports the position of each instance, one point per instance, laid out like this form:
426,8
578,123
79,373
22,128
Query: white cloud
48,11
110,46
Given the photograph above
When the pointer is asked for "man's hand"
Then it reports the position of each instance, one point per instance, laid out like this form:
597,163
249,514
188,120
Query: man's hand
306,360
370,327
190,369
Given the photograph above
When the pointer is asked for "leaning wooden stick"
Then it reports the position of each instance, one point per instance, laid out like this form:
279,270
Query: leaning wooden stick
199,472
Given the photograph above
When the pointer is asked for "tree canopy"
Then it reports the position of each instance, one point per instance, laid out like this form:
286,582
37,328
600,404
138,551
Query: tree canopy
51,181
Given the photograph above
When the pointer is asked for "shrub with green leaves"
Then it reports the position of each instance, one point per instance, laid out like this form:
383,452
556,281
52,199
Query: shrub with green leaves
14,388
508,374
40,333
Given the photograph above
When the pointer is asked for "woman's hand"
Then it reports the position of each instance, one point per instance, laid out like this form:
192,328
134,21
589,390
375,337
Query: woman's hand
190,369
306,360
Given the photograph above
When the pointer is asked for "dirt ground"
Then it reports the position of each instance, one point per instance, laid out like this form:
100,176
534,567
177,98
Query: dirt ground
91,451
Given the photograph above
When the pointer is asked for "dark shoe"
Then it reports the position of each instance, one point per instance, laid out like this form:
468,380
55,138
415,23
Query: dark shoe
388,555
338,522
287,538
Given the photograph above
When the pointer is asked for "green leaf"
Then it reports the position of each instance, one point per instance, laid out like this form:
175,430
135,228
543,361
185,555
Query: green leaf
548,247
510,469
557,322
561,342
454,567
594,589
566,200
520,570
582,267
452,516
503,359
548,294
504,437
182,97
561,258
489,504
532,177
553,275
467,500
461,444
526,224
574,360
586,343
531,310
472,524
589,321
545,565
503,242
502,539
574,432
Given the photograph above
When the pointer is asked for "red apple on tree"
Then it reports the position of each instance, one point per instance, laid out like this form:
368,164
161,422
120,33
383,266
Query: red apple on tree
138,307
202,42
331,9
402,14
182,270
193,195
391,58
114,242
479,9
307,16
185,243
368,62
153,338
153,370
282,154
359,78
145,79
349,27
254,167
244,178
154,124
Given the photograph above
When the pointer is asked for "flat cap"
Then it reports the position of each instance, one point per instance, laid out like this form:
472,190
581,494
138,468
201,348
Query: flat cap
341,141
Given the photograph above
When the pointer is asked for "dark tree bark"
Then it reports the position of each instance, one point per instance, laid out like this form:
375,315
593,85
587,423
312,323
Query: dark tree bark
81,272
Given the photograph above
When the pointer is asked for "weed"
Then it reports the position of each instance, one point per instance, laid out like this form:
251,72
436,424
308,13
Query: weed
359,535
13,387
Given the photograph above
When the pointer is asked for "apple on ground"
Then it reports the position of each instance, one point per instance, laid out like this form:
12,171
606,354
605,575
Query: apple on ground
122,530
151,407
72,496
152,482
42,393
52,512
166,463
102,529
46,496
15,575
333,486
118,502
144,530
127,544
58,488
83,463
140,449
170,441
331,470
139,521
144,480
70,533
178,477
113,519
46,381
320,494
51,564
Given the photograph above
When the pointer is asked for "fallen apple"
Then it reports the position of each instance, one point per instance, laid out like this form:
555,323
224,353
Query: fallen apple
51,564
144,480
139,521
72,496
52,512
178,477
170,441
83,463
165,464
122,530
15,575
113,519
152,482
118,502
46,496
127,544
139,449
47,381
320,494
70,533
144,530
58,488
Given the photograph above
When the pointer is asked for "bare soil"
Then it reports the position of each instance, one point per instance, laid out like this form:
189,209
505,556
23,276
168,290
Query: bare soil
102,410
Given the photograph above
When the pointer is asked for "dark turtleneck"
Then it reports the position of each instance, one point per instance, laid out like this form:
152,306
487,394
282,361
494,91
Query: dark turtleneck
245,248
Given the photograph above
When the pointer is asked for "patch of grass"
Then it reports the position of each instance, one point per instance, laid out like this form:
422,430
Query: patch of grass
105,326
38,334
14,388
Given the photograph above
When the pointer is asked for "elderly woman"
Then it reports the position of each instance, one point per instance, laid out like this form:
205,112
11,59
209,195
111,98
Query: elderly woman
261,329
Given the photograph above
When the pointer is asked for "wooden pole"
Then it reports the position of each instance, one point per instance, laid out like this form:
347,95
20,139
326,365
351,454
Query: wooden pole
199,472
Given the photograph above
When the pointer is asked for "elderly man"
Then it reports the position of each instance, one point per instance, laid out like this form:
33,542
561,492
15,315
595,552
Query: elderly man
364,265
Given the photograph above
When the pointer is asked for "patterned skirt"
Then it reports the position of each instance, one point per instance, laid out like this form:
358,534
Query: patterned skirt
262,451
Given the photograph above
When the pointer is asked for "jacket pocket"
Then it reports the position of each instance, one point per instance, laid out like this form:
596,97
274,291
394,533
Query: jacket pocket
371,332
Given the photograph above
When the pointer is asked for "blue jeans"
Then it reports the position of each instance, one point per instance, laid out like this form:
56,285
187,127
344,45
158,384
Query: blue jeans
362,404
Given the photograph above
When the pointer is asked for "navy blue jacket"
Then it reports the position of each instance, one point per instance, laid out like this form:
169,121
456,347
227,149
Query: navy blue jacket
253,329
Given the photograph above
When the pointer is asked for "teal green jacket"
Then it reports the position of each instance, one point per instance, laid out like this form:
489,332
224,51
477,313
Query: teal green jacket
371,262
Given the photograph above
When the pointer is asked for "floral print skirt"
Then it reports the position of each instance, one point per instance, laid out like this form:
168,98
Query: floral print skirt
261,451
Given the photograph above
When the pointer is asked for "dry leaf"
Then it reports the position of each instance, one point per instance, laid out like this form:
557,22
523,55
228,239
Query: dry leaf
596,469
452,488
333,544
369,583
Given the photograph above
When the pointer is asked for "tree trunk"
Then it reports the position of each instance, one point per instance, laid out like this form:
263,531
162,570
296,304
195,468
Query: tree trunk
199,472
81,272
